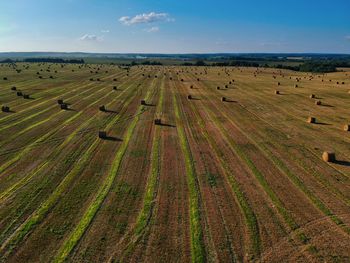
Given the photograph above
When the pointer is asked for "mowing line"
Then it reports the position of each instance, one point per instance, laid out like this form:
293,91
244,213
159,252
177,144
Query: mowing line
43,185
23,230
150,195
4,195
11,124
47,135
244,205
28,148
294,179
197,244
77,89
70,243
238,150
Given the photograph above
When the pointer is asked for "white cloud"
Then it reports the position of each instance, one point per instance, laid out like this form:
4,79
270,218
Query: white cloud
88,37
105,31
152,29
145,18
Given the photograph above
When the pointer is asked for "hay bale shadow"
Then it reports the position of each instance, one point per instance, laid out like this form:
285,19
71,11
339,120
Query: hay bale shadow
327,105
112,139
111,111
343,163
322,123
150,104
167,125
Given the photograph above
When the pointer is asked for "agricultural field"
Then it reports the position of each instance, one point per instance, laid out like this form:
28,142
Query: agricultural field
197,164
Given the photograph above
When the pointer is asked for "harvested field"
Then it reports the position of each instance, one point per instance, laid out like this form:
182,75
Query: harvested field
232,174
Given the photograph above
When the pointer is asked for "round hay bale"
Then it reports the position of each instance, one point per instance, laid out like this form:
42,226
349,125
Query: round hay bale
102,108
312,96
277,92
296,85
318,102
311,120
5,109
328,156
64,106
347,127
60,101
189,97
143,102
102,134
157,121
217,88
223,99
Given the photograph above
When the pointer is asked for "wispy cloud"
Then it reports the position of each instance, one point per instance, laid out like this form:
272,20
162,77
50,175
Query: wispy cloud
145,18
152,29
105,31
88,37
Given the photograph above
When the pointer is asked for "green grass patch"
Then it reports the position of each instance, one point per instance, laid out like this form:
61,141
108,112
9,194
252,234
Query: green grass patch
88,216
197,244
38,216
249,215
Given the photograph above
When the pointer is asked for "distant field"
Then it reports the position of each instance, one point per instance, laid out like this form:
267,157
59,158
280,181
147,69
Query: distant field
217,181
343,69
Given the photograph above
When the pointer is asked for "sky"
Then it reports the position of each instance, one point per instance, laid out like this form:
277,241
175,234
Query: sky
175,26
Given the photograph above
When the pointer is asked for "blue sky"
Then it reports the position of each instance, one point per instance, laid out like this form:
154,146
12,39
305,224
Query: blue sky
170,26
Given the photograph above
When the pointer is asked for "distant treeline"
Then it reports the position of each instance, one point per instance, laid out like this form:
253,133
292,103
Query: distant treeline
45,60
317,66
151,63
54,60
7,61
323,66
